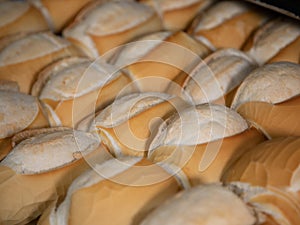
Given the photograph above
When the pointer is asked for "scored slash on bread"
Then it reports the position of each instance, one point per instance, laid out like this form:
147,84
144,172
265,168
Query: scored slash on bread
105,26
75,87
214,79
203,140
277,40
269,99
227,24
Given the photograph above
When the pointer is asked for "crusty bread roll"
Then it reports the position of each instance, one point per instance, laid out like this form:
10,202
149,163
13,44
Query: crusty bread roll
58,13
116,192
227,24
22,57
107,25
177,14
20,16
38,171
203,205
202,141
277,40
153,71
74,87
272,168
214,79
128,124
269,99
18,112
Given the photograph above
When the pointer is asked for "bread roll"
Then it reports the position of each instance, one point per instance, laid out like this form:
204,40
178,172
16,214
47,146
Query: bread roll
176,14
278,40
273,165
202,141
18,112
129,123
269,99
74,87
38,171
22,57
214,79
20,16
227,24
203,205
56,13
116,192
153,71
105,26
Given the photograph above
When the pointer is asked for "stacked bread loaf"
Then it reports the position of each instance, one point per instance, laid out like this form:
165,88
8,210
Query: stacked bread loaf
148,112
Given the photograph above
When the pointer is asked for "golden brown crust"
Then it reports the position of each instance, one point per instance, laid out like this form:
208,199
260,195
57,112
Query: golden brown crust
61,15
101,195
268,117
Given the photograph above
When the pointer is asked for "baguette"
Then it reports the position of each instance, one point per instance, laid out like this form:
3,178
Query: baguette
119,191
38,171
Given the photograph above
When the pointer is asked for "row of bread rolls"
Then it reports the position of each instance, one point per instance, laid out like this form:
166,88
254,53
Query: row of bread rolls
38,50
183,141
134,186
